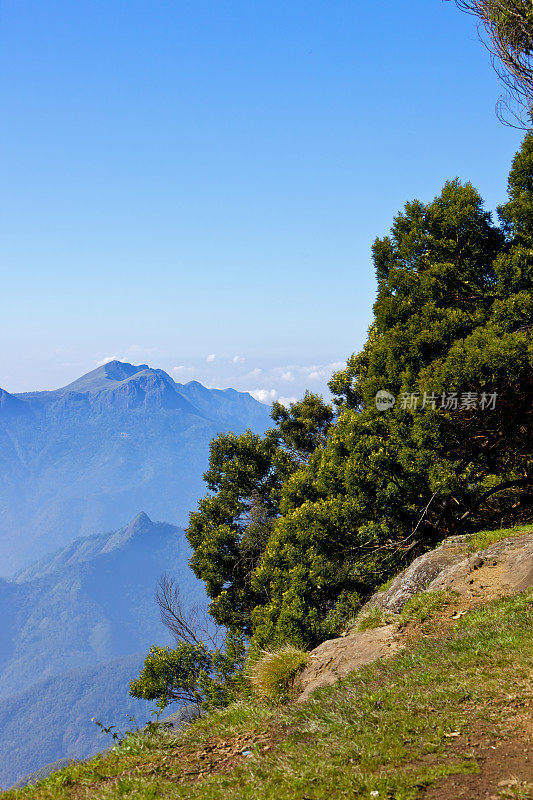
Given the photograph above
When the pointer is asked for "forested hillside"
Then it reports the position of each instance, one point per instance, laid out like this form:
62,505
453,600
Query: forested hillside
91,602
55,718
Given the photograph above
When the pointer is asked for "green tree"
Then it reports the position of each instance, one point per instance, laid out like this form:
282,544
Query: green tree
191,671
230,529
452,318
173,674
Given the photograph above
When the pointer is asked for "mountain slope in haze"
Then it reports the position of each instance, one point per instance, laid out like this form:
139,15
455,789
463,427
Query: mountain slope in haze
74,630
90,602
53,718
85,457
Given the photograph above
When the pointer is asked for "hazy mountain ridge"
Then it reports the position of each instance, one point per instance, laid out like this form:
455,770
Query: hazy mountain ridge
53,718
127,386
75,628
90,602
87,456
88,547
79,614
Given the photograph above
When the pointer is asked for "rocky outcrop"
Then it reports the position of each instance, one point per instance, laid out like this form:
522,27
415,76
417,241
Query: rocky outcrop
419,575
337,657
505,567
501,569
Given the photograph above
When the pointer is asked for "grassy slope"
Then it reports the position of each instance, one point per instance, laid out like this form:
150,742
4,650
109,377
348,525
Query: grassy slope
394,727
483,539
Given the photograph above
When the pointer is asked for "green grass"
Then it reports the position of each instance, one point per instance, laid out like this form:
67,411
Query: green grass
483,539
383,729
423,606
373,617
384,586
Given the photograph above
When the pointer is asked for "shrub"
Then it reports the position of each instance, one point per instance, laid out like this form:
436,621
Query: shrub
272,674
192,673
342,613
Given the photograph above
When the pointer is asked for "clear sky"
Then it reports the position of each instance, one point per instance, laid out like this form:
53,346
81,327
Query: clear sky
196,185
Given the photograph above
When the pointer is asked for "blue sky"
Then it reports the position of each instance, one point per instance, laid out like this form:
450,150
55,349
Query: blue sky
197,184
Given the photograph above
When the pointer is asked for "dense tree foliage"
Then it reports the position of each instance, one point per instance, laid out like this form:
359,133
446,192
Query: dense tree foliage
303,523
192,673
451,340
235,520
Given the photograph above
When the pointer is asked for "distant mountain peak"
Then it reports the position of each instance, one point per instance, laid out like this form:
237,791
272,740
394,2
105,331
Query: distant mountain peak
121,385
106,376
90,455
142,525
87,548
121,370
139,525
10,403
142,518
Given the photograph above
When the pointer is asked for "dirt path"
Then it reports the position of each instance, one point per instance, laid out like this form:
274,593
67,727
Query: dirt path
505,768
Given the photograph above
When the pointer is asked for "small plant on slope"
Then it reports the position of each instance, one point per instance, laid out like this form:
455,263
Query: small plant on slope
272,674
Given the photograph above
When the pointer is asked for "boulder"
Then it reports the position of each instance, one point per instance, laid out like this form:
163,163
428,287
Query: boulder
506,567
420,574
335,658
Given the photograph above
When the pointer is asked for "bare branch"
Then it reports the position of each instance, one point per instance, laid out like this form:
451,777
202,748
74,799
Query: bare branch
193,626
506,29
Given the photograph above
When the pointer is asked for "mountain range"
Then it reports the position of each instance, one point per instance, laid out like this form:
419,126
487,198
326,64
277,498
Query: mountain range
75,627
86,457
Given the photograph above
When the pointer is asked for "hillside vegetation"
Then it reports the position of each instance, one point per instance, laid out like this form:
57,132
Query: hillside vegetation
431,435
430,439
447,714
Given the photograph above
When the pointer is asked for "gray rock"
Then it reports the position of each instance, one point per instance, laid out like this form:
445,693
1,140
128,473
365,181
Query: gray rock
419,575
335,658
503,568
506,567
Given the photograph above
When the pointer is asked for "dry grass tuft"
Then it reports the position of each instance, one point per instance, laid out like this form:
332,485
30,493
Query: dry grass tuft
272,674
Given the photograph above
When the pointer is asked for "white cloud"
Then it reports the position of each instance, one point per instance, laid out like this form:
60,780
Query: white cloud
287,376
322,372
106,360
255,373
237,360
265,395
286,401
182,370
335,366
210,358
